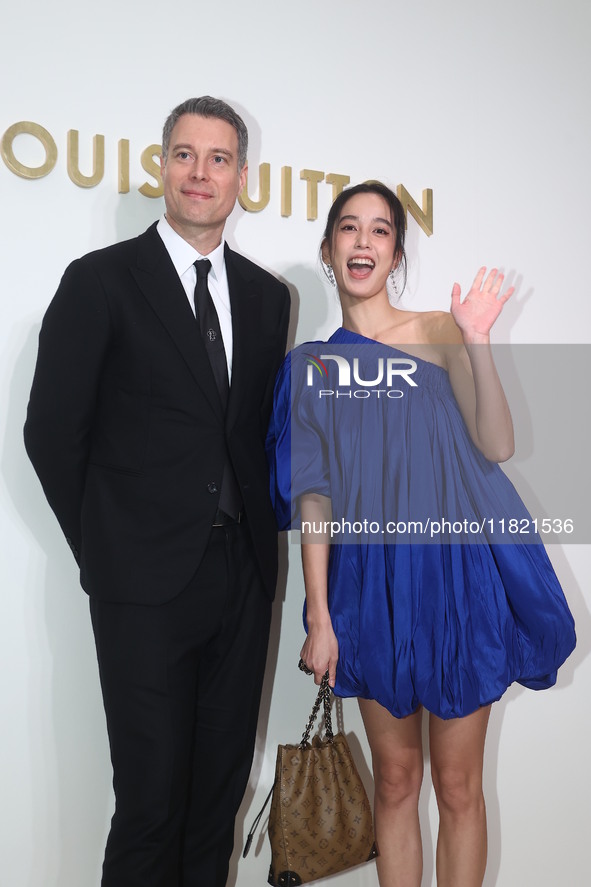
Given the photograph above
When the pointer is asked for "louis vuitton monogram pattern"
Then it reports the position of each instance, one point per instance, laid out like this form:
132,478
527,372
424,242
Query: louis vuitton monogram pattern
320,821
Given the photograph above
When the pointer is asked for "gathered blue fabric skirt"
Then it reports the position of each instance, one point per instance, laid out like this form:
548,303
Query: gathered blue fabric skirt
446,615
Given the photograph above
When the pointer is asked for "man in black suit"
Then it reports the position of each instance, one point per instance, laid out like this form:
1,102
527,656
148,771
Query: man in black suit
146,426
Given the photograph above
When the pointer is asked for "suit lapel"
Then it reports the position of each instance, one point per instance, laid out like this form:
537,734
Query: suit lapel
246,306
157,278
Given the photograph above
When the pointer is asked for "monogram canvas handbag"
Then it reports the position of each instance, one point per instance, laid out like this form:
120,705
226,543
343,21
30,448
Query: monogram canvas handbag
320,821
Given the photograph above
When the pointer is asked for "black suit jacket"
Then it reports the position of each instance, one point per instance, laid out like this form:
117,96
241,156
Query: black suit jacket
125,427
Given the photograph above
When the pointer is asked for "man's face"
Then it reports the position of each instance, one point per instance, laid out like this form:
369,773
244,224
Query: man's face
201,178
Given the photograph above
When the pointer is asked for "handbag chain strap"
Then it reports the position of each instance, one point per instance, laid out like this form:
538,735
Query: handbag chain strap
324,698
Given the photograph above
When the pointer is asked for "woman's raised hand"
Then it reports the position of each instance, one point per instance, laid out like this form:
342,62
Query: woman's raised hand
481,307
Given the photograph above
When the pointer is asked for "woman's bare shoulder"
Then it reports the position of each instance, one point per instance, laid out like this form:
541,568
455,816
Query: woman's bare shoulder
438,328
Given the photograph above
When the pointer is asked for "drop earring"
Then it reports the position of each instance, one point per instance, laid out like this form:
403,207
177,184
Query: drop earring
330,274
392,277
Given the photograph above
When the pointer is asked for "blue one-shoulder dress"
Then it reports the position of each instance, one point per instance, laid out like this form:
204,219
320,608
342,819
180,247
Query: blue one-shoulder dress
436,598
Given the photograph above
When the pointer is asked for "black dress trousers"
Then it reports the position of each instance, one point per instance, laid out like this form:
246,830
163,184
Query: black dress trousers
181,685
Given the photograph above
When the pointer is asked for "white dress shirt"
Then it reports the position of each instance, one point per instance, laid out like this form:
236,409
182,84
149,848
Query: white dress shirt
183,256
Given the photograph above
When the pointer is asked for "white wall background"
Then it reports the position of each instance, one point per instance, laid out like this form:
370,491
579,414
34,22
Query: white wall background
486,103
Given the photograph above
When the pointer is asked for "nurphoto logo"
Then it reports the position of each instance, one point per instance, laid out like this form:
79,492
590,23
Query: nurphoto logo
387,372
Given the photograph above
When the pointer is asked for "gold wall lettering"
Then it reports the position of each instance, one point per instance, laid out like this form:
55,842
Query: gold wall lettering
423,216
286,191
150,162
98,160
338,183
152,167
255,206
123,166
25,127
312,177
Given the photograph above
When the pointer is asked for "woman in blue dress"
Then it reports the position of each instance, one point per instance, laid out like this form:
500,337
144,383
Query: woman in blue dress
383,446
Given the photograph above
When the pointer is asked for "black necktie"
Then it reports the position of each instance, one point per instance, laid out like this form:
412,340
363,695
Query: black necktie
211,333
209,326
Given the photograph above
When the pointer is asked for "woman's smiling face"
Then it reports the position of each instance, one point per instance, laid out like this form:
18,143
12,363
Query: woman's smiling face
362,248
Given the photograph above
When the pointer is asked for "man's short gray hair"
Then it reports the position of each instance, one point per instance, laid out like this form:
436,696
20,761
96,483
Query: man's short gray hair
206,106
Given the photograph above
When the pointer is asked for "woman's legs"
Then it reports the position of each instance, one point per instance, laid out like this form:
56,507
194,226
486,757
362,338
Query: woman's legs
397,754
457,750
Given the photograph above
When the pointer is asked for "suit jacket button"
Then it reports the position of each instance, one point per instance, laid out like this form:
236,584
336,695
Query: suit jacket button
212,487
